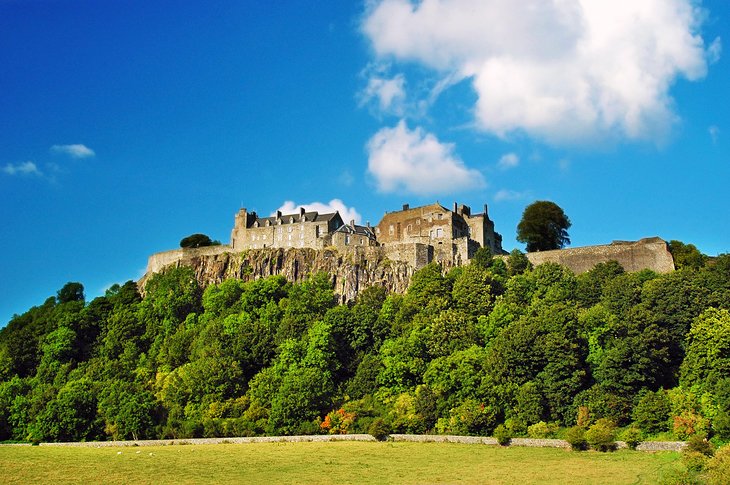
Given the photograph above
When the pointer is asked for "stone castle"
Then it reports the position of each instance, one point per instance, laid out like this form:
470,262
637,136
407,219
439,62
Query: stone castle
416,235
300,244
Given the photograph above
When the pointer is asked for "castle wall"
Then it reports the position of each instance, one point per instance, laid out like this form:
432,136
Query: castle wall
649,253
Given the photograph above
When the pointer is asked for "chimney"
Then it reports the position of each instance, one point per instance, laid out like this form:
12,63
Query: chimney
301,211
278,215
455,207
406,207
352,223
485,211
368,224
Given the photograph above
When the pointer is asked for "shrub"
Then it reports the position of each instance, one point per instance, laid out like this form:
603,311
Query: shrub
699,444
632,436
503,435
689,423
538,430
718,467
651,413
379,429
694,461
543,430
601,435
576,437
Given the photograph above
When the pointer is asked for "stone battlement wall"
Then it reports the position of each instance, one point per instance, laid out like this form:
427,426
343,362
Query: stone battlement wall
649,253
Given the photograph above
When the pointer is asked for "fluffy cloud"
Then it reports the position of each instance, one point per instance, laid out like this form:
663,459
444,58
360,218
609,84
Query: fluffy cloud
74,151
25,168
417,162
389,93
564,71
508,160
347,213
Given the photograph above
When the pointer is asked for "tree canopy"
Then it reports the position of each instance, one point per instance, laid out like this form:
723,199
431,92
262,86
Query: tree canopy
462,352
197,241
544,226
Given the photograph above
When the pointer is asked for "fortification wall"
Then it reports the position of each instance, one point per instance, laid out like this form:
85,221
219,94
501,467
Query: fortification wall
415,254
180,257
649,253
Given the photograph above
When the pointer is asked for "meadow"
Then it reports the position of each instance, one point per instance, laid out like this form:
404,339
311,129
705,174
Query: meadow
339,462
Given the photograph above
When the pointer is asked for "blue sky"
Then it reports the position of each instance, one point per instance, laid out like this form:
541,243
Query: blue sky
127,125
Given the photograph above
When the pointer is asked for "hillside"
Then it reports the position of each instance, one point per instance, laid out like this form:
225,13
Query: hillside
490,344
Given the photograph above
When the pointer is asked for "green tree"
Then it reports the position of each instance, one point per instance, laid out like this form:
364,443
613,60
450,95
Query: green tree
544,226
708,350
686,255
197,241
71,291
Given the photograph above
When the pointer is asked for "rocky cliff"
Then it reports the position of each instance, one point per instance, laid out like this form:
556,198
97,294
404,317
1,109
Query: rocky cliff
351,271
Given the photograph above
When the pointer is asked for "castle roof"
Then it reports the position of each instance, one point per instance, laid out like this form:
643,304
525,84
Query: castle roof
313,216
357,230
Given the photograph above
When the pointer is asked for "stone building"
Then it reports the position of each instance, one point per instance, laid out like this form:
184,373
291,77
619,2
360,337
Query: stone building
300,230
354,235
453,234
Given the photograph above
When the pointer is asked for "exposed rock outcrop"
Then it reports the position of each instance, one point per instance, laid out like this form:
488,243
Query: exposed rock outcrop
351,271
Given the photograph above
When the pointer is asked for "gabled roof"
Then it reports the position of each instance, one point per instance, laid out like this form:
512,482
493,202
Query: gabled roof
296,218
357,230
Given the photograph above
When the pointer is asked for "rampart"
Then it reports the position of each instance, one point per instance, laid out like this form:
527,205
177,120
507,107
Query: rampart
649,253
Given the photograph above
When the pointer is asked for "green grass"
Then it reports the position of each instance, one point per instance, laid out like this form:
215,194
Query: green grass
339,462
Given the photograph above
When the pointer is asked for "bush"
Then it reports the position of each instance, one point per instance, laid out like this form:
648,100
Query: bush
379,429
718,467
699,444
576,437
538,430
542,430
694,461
601,435
503,435
632,436
652,411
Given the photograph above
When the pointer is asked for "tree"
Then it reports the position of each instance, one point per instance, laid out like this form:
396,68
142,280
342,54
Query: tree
544,226
197,241
71,291
686,255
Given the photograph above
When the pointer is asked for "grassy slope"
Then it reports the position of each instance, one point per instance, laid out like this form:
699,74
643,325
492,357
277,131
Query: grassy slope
344,462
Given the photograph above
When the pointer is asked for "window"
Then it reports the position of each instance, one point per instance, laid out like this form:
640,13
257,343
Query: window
347,239
410,228
390,230
439,232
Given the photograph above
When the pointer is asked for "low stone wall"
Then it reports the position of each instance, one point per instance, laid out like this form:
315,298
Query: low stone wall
219,441
530,442
650,446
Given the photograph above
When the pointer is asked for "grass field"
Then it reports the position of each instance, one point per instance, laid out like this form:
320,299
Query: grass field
340,462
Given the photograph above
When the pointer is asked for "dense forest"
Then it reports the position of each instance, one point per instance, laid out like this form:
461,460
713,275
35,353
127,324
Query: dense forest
493,345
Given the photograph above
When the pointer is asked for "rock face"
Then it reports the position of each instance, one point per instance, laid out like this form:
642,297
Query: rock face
355,269
351,271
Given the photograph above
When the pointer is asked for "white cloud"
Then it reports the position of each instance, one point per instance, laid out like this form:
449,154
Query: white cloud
25,168
508,160
347,213
714,51
504,195
74,151
564,71
417,162
389,93
714,133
